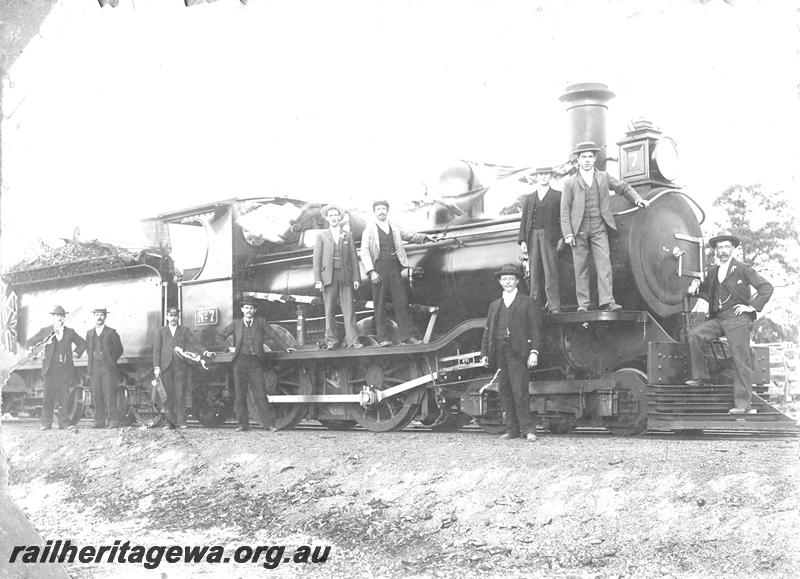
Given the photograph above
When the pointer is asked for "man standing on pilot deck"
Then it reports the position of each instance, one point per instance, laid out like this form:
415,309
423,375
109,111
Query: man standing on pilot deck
585,220
732,312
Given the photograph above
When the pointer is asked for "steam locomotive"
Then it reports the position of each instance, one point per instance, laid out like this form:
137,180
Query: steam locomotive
623,370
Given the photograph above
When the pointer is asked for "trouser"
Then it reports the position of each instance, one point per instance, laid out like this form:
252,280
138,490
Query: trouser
104,395
175,379
343,291
248,379
592,236
391,285
513,387
737,329
542,252
56,394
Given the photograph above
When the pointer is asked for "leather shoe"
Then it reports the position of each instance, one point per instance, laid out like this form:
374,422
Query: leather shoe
356,345
530,437
694,383
242,428
45,428
411,341
182,426
168,426
331,346
385,343
742,411
509,436
555,311
582,309
611,307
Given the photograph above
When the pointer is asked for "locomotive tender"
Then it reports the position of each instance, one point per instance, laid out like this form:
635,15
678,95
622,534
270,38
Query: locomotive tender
620,370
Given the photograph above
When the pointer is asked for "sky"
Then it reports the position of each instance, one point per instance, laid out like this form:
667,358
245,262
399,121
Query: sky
113,115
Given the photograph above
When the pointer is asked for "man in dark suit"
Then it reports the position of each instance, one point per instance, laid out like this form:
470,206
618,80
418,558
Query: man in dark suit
250,334
103,348
732,312
58,371
337,275
539,236
171,366
585,220
511,341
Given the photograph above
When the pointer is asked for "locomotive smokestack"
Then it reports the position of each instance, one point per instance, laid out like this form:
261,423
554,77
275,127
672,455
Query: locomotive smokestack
586,104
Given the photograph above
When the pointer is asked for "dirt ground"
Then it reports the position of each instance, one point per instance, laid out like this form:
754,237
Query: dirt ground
418,504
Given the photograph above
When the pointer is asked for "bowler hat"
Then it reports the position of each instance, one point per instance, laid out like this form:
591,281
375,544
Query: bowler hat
586,147
248,301
100,310
724,235
509,269
58,311
326,208
380,202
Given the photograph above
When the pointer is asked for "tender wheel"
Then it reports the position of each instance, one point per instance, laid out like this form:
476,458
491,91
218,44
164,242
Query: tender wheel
291,379
392,413
562,425
208,405
632,402
76,404
123,409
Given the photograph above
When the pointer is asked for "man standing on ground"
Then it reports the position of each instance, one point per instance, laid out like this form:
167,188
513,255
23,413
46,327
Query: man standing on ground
732,312
585,220
103,348
173,369
249,335
539,236
384,258
58,371
337,276
511,341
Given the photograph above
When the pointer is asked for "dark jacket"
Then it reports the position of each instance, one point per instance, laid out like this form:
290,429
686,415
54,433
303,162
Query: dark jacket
111,345
164,346
323,258
524,326
573,200
263,335
69,339
549,212
740,278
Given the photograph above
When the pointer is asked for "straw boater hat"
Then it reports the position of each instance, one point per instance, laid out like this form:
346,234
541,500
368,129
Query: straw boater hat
58,311
100,310
509,269
329,206
724,235
380,202
586,147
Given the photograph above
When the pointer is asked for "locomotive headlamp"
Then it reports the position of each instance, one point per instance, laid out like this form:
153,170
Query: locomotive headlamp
665,158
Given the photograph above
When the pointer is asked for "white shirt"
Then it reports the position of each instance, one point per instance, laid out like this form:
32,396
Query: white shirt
336,233
543,192
508,297
172,329
722,272
58,332
99,329
587,176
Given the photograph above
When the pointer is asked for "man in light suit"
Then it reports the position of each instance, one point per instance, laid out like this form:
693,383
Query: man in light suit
732,312
103,348
384,256
250,334
336,275
58,370
539,236
173,369
585,220
511,341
